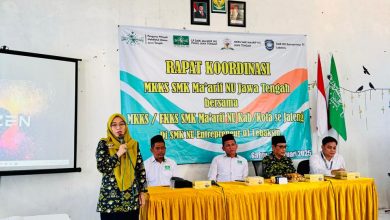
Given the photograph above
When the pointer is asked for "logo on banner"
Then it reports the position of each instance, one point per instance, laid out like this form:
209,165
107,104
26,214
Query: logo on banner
181,40
132,39
227,44
269,44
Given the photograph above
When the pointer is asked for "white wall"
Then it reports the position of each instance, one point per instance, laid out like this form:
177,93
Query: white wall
357,32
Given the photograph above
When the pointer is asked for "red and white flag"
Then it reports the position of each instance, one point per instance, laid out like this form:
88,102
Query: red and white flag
322,111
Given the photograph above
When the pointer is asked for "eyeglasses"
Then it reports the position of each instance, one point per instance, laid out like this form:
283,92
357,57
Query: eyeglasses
121,125
281,146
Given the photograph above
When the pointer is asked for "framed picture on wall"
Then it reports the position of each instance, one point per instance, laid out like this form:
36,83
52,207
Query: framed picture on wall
218,6
200,12
236,13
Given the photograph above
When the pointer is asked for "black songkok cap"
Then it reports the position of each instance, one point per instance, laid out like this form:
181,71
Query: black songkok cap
278,139
155,139
227,137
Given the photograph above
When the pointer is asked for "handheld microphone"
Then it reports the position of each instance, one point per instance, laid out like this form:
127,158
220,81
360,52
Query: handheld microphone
121,140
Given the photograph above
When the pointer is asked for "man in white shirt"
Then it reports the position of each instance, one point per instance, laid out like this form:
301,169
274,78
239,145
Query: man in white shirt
159,169
327,161
229,166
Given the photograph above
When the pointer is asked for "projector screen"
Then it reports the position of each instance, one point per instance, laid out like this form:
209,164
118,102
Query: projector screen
38,103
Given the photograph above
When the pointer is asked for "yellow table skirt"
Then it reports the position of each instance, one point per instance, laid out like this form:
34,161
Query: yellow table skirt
271,201
182,204
355,199
333,199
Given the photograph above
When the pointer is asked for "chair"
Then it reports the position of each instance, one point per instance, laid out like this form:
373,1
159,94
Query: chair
303,167
258,165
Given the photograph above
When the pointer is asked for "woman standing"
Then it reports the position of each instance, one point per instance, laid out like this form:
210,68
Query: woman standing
124,182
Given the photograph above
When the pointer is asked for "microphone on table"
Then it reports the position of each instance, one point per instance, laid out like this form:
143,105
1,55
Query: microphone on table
214,183
177,182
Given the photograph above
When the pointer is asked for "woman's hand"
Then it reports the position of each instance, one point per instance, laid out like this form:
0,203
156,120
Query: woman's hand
122,149
142,199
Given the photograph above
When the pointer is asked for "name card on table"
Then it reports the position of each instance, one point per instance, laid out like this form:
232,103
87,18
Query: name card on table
347,175
254,180
202,184
314,177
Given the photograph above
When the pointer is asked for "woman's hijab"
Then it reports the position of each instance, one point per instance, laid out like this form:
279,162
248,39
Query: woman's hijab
124,173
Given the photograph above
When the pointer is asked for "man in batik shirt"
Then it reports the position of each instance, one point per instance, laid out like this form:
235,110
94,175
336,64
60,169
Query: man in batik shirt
277,163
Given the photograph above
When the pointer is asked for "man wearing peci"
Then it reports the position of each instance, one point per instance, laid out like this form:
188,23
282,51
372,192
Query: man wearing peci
229,166
277,163
159,169
327,161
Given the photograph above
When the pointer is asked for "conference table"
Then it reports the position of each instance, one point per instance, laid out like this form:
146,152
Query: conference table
330,199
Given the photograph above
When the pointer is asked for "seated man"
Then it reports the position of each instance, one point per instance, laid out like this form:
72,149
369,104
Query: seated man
159,169
277,163
229,166
327,161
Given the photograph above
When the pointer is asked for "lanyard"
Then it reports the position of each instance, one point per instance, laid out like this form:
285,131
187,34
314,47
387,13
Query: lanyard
326,164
